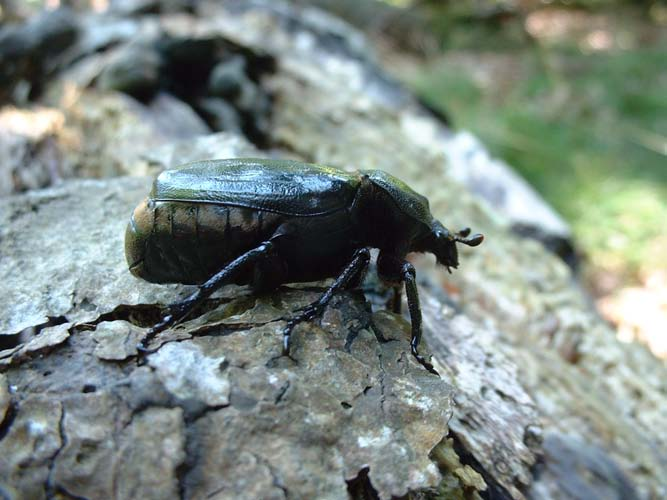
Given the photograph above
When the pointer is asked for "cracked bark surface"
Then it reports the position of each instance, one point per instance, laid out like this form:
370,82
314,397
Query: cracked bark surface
537,398
216,410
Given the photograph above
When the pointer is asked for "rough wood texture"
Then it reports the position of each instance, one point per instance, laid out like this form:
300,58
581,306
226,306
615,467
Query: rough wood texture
537,398
217,396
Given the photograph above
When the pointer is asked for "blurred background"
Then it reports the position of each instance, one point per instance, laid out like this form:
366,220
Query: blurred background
572,94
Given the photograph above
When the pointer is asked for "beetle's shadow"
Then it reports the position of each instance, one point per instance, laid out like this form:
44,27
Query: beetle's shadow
353,307
360,303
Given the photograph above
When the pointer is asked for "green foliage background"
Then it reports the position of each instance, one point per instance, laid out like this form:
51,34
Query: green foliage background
588,128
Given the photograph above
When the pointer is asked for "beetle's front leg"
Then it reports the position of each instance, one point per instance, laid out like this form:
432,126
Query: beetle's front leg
409,276
352,273
394,269
180,310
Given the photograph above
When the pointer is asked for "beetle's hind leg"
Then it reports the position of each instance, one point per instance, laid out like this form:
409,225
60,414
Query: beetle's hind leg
180,310
351,275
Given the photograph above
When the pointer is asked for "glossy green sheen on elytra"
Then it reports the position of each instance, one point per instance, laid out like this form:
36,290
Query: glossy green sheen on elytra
280,186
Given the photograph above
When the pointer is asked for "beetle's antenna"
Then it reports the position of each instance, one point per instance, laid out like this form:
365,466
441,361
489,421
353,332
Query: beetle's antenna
471,241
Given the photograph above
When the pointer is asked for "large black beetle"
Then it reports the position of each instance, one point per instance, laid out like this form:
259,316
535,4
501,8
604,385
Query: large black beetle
267,222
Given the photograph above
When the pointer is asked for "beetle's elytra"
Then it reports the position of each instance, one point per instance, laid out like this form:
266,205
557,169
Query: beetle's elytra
268,222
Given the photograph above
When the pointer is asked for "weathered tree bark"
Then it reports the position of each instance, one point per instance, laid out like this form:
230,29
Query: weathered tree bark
536,396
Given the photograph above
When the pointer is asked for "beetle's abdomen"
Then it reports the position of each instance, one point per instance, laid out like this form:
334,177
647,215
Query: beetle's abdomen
136,237
184,242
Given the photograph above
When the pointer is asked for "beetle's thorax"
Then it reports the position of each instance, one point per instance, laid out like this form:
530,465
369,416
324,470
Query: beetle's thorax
389,215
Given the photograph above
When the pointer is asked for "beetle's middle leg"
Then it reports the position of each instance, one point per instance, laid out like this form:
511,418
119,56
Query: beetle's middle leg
395,299
179,311
352,273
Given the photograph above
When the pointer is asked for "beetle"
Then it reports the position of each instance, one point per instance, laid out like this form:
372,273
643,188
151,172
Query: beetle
265,222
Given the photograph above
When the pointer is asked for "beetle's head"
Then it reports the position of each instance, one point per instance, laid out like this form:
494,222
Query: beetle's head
444,242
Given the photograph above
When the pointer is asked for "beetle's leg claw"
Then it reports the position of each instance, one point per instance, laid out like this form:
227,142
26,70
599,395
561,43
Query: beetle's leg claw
287,336
422,361
307,313
143,350
286,339
142,346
